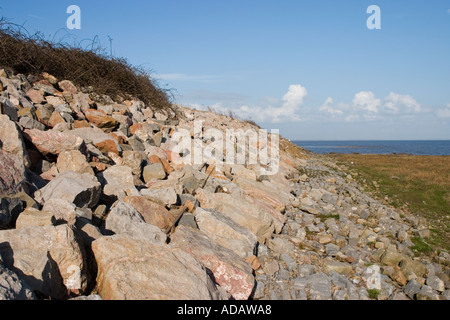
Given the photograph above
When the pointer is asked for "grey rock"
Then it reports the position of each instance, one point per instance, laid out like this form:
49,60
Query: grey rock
10,208
258,292
305,270
291,264
188,220
118,181
163,196
29,123
154,171
123,219
12,287
281,245
427,293
412,288
81,189
283,275
331,249
435,283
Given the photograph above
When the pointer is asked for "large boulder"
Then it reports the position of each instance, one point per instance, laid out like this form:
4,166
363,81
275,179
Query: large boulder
226,232
49,259
118,181
153,213
53,142
230,271
73,160
135,269
126,220
81,189
243,210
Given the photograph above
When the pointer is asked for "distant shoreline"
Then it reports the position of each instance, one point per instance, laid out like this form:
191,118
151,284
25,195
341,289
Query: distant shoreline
386,147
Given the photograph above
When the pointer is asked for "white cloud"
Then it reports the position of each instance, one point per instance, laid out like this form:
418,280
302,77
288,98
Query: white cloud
328,106
270,110
444,113
366,100
397,103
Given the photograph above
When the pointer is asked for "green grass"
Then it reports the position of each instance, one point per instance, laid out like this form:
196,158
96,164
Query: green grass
420,246
417,184
373,293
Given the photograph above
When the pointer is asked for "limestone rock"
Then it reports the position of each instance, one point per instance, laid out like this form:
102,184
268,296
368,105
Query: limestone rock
11,139
135,269
81,189
50,259
163,196
124,219
73,160
53,142
34,217
153,171
152,212
230,271
226,232
242,210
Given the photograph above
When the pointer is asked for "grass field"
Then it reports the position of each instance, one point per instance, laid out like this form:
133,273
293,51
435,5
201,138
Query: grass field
419,184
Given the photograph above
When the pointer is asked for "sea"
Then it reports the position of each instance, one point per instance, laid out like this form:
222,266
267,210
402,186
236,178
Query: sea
413,147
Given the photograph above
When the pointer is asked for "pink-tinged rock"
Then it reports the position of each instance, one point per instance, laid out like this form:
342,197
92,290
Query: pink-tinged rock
242,209
230,271
53,142
67,86
36,96
136,269
152,212
12,171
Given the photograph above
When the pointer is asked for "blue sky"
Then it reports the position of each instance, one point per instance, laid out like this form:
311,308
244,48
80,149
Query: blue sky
311,69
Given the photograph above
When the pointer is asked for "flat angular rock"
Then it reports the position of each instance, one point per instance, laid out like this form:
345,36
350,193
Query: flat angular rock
135,269
126,220
153,171
50,259
162,196
243,210
81,189
118,179
53,142
226,232
73,160
67,86
33,217
12,287
101,120
230,271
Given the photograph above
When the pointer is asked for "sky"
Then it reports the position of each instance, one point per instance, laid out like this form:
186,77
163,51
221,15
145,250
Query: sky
311,69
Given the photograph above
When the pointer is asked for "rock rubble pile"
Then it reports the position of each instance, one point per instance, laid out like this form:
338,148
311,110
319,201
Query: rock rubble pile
96,204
